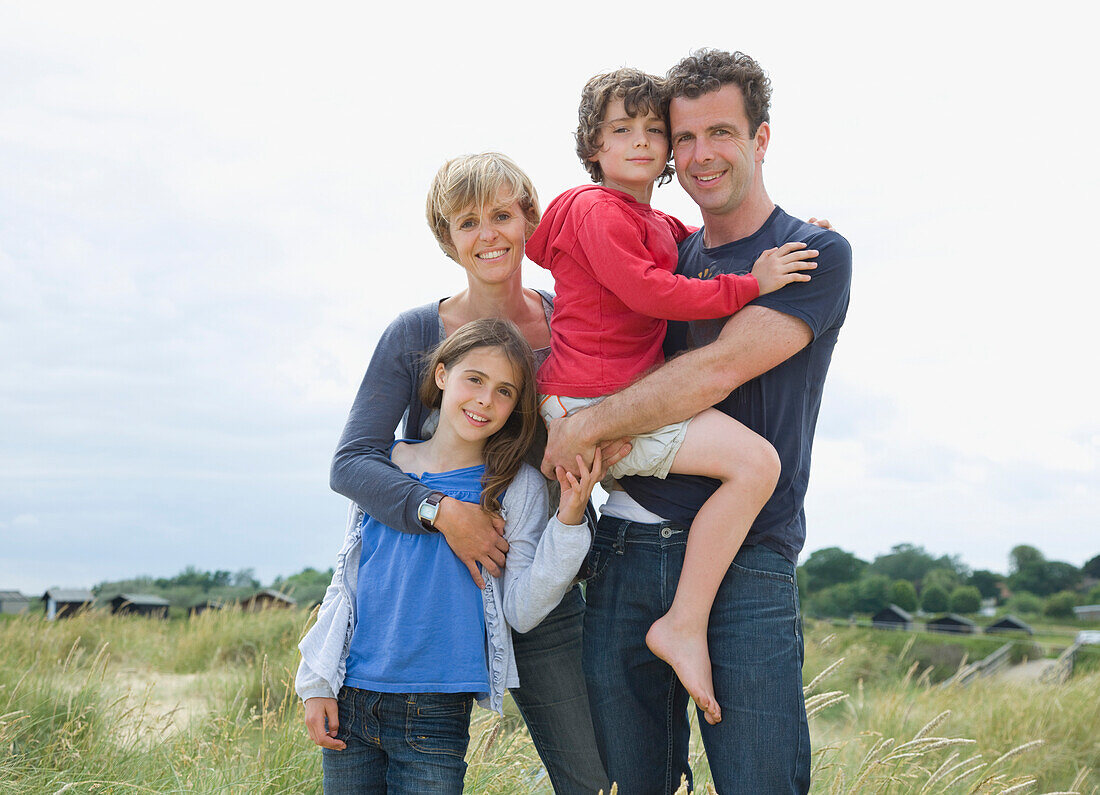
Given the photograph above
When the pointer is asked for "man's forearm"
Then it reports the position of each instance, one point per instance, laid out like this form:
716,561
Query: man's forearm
752,342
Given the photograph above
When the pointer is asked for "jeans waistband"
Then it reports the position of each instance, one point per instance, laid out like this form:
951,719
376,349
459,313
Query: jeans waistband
623,531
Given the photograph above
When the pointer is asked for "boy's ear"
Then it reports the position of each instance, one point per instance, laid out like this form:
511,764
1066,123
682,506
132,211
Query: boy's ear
440,375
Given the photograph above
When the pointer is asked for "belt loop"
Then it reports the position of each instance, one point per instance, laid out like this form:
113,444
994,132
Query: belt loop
620,540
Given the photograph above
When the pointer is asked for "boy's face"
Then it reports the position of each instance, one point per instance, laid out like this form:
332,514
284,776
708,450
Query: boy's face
633,150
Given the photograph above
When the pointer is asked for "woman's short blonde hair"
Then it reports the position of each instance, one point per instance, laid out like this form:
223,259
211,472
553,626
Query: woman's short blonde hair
477,180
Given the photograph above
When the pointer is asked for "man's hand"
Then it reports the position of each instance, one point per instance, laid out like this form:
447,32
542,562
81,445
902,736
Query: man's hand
474,535
322,722
565,442
778,267
822,222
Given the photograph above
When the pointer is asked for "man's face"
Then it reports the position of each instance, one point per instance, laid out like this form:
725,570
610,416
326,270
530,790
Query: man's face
715,153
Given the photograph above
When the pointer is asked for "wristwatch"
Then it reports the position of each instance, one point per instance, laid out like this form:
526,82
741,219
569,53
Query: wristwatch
429,509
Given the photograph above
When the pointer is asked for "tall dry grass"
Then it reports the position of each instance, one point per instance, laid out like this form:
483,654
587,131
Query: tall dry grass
82,709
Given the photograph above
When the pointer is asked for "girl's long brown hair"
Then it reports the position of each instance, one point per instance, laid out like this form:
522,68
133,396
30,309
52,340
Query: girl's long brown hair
505,449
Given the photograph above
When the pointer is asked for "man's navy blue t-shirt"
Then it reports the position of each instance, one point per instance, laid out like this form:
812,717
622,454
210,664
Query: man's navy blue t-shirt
782,404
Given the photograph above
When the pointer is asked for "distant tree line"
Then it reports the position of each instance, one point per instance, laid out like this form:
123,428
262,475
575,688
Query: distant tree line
836,583
193,586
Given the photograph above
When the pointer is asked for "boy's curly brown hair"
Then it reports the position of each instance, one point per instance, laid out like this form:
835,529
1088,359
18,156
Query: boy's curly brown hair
641,93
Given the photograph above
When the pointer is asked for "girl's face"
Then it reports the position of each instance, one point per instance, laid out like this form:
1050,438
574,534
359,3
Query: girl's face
479,392
489,240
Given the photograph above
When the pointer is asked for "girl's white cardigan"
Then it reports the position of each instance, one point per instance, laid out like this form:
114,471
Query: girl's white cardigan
543,558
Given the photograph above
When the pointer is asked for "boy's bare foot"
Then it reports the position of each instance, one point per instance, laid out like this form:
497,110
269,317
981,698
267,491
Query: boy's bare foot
689,657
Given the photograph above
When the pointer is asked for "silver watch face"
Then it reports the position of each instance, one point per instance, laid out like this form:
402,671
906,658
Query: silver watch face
428,511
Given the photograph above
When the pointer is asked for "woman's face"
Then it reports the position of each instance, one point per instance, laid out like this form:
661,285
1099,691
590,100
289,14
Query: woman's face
489,240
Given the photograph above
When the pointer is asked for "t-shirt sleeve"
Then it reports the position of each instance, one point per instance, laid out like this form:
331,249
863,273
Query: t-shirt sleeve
822,302
610,242
361,469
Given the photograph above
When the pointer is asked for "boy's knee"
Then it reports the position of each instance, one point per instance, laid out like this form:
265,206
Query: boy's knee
757,465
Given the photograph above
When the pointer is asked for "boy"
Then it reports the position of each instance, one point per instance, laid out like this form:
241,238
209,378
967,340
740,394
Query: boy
613,258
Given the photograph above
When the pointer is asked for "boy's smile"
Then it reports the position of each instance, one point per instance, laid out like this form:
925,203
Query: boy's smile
633,150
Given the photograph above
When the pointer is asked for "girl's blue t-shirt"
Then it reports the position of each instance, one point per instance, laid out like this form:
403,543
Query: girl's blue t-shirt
421,620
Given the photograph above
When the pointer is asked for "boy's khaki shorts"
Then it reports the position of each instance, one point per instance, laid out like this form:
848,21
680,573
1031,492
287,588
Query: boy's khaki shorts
651,454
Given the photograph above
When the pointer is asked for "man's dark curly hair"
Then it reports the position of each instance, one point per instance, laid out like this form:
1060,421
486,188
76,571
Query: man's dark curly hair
641,94
709,70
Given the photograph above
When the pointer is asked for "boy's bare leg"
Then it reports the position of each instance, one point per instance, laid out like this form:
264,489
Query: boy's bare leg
716,446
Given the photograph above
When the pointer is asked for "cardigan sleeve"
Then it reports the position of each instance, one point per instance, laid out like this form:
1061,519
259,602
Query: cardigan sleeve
361,469
543,556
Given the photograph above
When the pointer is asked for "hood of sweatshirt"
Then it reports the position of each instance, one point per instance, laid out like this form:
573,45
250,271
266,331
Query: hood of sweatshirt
539,247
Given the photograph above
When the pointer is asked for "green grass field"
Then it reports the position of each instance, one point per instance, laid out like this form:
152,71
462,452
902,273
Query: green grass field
104,704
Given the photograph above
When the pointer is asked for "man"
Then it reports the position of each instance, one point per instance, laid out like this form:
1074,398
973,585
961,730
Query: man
764,366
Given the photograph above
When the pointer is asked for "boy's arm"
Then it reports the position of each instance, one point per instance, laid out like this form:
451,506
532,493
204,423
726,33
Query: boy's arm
609,241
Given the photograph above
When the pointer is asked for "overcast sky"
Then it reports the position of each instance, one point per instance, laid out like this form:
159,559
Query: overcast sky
209,212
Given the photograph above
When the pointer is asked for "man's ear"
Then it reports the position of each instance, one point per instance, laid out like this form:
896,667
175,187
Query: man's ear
761,139
440,375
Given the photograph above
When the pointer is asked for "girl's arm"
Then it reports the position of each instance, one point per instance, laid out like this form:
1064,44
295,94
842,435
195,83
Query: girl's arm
544,556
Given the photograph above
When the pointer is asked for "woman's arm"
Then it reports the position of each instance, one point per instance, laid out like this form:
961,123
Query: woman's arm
543,557
362,470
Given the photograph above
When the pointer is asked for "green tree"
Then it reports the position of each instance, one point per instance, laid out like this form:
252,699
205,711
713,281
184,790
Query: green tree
1025,603
1060,605
832,566
1094,595
872,593
904,595
1092,568
909,562
987,583
941,577
836,601
933,599
966,599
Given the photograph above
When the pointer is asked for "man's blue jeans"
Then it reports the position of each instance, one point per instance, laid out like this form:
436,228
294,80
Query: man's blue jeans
639,707
399,743
554,702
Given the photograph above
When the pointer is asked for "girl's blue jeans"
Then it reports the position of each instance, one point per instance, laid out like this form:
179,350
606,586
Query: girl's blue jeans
399,743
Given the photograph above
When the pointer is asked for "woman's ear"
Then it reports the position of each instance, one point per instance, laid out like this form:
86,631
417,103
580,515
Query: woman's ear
440,375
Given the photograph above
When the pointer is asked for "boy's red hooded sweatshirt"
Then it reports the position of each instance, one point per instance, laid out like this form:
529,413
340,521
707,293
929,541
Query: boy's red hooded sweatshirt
613,261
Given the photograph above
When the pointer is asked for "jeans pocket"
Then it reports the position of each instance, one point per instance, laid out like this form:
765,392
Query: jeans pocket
596,563
439,723
763,573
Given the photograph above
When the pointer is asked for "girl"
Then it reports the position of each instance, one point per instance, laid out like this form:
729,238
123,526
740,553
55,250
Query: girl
404,639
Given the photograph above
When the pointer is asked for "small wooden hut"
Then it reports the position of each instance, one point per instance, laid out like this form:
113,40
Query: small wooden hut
1009,623
13,602
135,604
952,622
65,602
267,598
892,617
202,607
1087,612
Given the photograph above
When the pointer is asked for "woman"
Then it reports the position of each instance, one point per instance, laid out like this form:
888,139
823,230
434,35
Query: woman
481,209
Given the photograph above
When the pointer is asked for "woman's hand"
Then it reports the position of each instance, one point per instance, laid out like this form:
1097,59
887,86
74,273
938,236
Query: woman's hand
474,535
323,721
574,492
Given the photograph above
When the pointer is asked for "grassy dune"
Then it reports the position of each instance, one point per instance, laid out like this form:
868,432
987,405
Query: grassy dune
109,704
